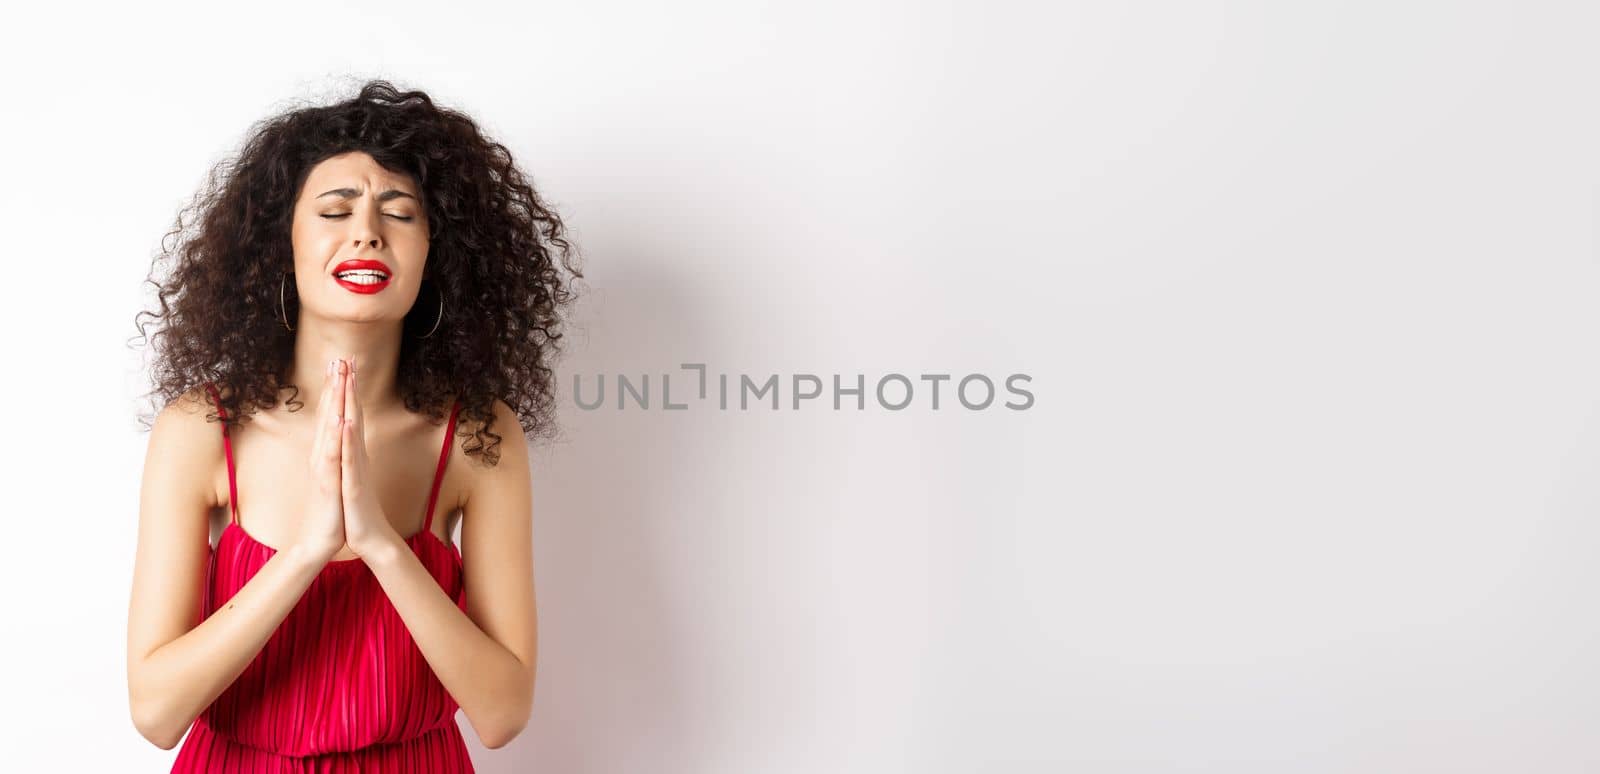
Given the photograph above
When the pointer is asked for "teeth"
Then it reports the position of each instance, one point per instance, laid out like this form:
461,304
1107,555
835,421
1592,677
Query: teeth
362,276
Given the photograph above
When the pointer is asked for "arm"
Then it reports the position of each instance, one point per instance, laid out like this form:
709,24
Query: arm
175,667
485,657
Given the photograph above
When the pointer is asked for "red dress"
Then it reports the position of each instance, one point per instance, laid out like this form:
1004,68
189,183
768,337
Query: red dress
340,686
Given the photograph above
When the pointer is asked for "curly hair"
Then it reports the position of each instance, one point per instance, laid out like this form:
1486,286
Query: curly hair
492,249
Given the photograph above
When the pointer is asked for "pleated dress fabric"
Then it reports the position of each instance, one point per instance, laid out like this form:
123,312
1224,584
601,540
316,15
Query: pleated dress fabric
340,686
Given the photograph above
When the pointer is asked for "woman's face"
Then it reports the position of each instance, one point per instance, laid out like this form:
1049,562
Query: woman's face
352,210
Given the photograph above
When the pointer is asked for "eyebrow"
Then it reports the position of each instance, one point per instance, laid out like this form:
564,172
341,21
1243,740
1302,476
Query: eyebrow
349,193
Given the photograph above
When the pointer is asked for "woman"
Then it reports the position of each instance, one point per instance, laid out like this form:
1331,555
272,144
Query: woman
385,256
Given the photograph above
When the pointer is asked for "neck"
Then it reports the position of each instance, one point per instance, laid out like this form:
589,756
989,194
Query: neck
374,347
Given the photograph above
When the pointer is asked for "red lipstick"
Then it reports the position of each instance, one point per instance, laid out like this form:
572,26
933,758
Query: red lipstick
363,275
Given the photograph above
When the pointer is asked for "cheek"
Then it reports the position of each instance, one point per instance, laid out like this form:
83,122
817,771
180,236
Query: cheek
311,253
412,254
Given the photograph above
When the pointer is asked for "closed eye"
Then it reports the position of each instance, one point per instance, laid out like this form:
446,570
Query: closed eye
346,215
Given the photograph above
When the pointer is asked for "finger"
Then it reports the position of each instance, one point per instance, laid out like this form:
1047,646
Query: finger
358,422
349,477
347,447
349,393
360,438
337,408
320,437
347,443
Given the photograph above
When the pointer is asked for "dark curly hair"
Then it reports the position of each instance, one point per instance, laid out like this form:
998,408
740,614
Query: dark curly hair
492,250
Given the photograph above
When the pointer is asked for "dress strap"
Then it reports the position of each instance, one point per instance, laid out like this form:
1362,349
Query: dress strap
444,456
227,450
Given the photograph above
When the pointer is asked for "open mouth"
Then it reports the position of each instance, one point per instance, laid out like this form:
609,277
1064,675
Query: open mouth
363,276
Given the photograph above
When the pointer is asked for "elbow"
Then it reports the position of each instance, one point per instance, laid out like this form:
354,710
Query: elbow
502,731
499,740
151,726
154,723
511,724
506,729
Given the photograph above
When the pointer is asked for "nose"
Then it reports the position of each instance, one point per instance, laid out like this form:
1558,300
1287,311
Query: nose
366,233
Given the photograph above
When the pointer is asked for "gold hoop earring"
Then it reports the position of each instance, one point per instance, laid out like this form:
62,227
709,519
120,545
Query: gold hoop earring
439,317
283,314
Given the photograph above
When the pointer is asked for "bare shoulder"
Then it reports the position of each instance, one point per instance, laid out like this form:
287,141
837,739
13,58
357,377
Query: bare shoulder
507,427
511,448
196,403
189,418
185,443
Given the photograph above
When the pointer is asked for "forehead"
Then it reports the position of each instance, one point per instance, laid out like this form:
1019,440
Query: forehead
354,170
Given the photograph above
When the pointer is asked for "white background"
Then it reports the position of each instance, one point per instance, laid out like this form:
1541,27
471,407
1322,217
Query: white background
1307,293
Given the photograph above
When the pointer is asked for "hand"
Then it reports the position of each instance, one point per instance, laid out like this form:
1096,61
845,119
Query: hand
322,529
366,527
